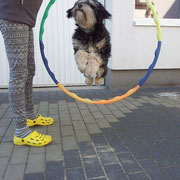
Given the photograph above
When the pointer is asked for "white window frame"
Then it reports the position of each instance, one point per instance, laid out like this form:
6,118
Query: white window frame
150,22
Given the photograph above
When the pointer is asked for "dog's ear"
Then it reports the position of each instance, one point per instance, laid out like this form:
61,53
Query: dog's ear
69,13
103,13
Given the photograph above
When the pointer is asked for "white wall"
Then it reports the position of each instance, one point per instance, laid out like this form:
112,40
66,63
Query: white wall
133,46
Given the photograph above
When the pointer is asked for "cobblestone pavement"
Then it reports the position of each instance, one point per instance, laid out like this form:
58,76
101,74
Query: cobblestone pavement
135,139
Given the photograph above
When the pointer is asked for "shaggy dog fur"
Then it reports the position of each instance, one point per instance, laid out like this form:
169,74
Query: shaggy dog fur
91,39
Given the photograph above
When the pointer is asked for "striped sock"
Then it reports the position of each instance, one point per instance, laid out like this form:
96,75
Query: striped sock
23,132
31,116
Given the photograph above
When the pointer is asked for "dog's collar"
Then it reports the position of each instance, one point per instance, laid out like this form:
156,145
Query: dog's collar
86,31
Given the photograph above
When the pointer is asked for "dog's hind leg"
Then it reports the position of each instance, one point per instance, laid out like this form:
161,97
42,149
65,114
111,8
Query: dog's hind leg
100,75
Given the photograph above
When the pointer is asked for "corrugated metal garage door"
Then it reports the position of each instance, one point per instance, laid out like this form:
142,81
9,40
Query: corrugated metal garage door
58,48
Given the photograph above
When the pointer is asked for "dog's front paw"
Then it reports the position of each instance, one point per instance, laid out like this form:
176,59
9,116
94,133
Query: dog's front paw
81,58
99,81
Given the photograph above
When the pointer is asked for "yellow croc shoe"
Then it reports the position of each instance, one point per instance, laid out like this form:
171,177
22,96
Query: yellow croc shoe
34,139
40,120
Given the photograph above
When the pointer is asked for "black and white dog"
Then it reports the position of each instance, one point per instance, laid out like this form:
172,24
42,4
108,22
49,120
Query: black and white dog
91,39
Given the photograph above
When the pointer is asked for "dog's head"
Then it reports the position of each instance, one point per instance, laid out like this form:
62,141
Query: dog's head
87,13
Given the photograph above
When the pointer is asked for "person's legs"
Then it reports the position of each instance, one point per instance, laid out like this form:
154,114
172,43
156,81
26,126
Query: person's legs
32,118
16,37
29,106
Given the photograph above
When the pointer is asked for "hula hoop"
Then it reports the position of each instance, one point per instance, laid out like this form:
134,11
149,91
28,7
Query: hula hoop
115,99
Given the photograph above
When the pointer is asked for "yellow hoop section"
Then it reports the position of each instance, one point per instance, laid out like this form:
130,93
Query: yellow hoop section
88,101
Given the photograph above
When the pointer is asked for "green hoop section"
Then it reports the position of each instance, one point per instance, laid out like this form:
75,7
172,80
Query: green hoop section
115,99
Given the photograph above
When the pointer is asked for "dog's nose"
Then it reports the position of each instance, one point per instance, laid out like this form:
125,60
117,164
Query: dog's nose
80,6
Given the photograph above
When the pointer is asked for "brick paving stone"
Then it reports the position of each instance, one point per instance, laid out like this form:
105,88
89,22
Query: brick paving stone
45,114
103,123
67,130
161,157
118,145
72,159
82,135
85,113
114,172
64,114
8,114
54,127
93,108
99,140
166,104
8,138
35,163
4,106
112,107
75,174
2,130
136,103
169,149
89,119
5,121
74,110
15,172
97,115
54,153
154,170
129,104
71,105
125,109
111,118
63,107
109,133
65,121
104,109
93,128
34,150
76,117
138,150
6,149
118,114
107,158
174,172
119,104
53,106
54,170
53,112
40,129
142,101
56,137
3,165
19,155
138,176
87,149
92,167
69,143
79,125
129,163
34,176
2,112
149,100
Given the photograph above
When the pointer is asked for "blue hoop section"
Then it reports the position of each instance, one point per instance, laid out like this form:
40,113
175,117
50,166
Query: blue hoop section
151,67
46,63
